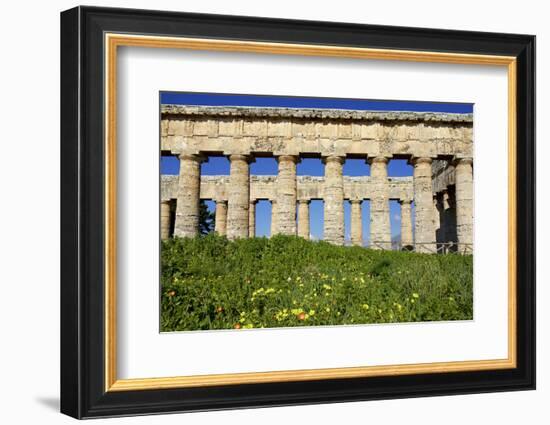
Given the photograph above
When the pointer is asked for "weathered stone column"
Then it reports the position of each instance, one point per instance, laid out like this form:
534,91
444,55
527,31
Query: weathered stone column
274,217
438,215
164,220
423,203
286,194
252,219
441,235
406,223
464,204
303,218
187,207
239,197
380,227
334,200
356,223
221,218
449,217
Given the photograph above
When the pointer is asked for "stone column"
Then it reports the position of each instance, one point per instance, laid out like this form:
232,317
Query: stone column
286,194
252,219
187,207
274,217
303,218
449,217
437,219
239,197
380,227
221,218
334,200
406,223
464,204
356,223
441,236
423,204
164,220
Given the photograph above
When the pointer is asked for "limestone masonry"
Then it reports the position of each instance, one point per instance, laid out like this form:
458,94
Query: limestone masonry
438,145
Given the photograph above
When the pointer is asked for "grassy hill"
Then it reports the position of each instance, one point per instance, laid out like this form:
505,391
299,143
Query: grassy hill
212,283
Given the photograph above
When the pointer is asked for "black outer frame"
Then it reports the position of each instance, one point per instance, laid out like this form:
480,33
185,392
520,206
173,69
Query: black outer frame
82,207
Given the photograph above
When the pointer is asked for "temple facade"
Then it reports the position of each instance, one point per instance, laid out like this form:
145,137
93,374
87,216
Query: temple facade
438,198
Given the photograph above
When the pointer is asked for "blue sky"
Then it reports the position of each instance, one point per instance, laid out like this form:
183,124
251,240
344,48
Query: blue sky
214,99
308,166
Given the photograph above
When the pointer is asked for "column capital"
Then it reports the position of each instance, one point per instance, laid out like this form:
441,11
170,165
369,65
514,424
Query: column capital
462,161
420,160
241,157
221,201
378,160
404,201
334,158
288,158
304,201
356,201
193,157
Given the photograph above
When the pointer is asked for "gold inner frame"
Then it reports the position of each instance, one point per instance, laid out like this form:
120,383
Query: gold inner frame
113,41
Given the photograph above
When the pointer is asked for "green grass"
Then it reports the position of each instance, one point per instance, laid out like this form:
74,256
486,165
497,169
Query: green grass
212,283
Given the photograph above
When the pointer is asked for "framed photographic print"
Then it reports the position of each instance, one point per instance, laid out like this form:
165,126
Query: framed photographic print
261,212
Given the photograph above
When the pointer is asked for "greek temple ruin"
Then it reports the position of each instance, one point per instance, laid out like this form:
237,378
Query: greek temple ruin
437,200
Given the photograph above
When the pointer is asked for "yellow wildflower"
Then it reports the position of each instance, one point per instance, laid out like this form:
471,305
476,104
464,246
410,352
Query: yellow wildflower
283,314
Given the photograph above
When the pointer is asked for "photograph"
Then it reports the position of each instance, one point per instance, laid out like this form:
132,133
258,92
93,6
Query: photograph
262,211
285,211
